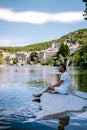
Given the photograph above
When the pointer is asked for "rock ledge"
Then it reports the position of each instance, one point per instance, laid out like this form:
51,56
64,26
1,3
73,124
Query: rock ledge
57,105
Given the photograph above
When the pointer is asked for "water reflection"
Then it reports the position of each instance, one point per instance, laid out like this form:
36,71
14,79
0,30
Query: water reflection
79,79
63,122
17,83
43,76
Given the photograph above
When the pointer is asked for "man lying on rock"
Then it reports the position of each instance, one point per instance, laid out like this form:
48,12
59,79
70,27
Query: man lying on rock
62,86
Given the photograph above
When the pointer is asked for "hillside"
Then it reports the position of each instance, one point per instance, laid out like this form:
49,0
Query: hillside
79,36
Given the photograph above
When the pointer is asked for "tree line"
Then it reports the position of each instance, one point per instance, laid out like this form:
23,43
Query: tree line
77,59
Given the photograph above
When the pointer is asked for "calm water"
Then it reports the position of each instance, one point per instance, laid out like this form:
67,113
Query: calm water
18,83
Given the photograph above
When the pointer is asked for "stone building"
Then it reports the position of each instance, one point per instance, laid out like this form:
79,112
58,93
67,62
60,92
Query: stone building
22,58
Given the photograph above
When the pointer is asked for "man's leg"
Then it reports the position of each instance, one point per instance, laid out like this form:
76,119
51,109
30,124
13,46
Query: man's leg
49,89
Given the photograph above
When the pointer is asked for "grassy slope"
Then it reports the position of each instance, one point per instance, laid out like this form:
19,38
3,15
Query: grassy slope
78,35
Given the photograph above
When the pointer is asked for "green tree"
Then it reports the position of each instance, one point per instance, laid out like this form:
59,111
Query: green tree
80,56
61,59
64,50
75,59
85,11
63,53
48,61
43,62
1,58
84,57
34,56
83,53
67,50
15,61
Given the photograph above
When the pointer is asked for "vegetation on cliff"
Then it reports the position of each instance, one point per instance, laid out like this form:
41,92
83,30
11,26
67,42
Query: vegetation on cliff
1,58
78,36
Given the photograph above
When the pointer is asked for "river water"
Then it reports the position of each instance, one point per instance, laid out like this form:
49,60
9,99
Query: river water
17,108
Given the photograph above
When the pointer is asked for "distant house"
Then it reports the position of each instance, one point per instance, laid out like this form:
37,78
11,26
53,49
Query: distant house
6,54
54,47
74,48
8,57
22,57
41,55
49,52
45,54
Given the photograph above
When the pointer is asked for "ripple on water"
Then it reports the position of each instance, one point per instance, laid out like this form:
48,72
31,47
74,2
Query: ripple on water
17,83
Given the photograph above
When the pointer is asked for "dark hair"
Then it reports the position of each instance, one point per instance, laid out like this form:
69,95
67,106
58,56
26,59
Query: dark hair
63,65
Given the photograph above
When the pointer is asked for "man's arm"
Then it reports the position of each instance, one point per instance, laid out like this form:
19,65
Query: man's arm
58,83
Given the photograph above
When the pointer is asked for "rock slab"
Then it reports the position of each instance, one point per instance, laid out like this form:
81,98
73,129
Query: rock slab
57,104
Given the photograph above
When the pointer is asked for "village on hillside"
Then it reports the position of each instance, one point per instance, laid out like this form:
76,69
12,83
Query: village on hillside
23,58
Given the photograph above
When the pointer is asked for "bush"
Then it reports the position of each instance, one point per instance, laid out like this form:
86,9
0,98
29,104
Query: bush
33,56
15,61
48,61
1,58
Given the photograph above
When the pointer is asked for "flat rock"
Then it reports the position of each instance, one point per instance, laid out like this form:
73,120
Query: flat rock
57,104
79,94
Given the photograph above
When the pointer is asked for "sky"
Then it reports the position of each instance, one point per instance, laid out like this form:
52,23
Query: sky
25,22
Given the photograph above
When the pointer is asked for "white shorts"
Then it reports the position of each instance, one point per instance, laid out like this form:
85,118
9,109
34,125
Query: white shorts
60,90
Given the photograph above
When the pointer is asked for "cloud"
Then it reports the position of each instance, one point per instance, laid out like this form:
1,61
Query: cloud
39,17
5,42
9,41
68,17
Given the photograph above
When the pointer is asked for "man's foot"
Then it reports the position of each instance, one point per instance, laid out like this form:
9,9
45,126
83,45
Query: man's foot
36,100
37,95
